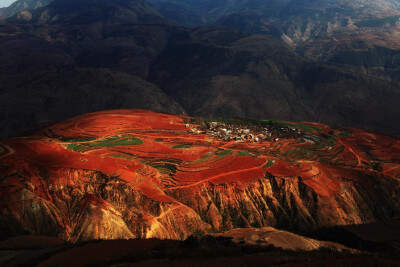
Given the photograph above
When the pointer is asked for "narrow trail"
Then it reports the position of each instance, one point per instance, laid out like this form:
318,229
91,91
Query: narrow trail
165,213
391,169
359,160
314,172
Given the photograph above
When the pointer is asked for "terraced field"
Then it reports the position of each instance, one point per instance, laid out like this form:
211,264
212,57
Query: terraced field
155,158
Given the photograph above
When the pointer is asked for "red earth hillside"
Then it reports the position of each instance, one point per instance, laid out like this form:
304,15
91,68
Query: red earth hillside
135,173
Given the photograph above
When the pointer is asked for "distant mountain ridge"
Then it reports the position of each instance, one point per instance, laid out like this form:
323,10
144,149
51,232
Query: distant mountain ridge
319,30
83,56
21,5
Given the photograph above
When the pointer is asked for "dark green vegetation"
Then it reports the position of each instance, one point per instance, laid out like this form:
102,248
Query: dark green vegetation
344,133
74,139
222,152
182,146
269,164
108,142
122,156
245,153
166,166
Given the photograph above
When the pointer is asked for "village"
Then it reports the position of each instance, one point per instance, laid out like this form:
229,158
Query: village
246,133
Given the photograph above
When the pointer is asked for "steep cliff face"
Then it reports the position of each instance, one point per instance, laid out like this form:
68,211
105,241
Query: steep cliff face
134,173
290,204
81,205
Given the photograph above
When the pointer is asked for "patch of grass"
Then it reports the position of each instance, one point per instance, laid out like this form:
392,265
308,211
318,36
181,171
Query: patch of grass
308,128
73,146
117,141
108,142
245,153
201,160
165,166
121,156
344,133
182,146
221,152
274,122
268,164
76,139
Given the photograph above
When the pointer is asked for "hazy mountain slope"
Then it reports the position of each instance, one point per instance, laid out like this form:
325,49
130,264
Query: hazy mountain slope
322,29
69,92
258,76
21,5
118,34
209,71
317,29
80,58
41,83
91,11
206,12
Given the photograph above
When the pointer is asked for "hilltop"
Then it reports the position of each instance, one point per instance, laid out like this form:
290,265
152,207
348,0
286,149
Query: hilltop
135,173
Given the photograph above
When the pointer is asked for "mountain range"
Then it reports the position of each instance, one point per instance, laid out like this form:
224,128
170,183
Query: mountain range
76,57
22,5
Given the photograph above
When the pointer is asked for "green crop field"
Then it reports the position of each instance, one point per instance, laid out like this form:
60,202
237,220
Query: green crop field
245,153
268,164
108,142
308,128
182,146
222,152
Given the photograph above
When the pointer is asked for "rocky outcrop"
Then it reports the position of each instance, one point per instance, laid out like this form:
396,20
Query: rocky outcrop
87,205
269,236
290,204
103,208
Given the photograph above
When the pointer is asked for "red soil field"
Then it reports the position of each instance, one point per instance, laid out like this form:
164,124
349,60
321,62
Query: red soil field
166,138
158,156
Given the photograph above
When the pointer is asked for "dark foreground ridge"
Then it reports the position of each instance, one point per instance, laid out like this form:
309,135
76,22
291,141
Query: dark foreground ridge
200,251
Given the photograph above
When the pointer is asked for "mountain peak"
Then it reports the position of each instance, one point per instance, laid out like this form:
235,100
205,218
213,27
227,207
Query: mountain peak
21,5
89,11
